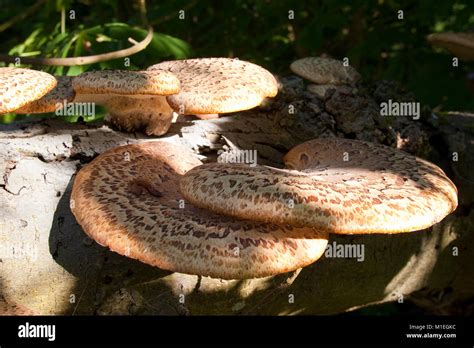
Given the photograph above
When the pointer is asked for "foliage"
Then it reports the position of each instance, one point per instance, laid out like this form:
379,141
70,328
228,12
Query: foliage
369,33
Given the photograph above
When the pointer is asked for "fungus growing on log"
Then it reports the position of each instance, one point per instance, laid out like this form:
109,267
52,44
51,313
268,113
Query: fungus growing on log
19,87
325,71
212,86
459,44
337,185
63,92
134,99
128,200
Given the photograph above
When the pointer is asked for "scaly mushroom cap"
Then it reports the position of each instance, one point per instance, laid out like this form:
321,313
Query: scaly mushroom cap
128,199
63,92
13,308
337,185
218,85
19,87
325,71
459,44
154,82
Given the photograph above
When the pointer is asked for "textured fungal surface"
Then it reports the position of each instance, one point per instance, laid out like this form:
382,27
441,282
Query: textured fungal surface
150,114
156,82
459,44
218,85
325,71
63,92
128,199
13,308
338,185
19,87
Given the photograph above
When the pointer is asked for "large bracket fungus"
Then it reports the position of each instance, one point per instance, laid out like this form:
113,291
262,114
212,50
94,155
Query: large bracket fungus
19,87
325,71
459,44
128,199
53,100
134,99
218,85
337,185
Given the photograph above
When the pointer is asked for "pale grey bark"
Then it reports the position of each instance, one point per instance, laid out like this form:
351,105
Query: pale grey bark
49,265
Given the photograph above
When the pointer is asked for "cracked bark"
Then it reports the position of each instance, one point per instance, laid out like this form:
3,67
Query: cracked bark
51,267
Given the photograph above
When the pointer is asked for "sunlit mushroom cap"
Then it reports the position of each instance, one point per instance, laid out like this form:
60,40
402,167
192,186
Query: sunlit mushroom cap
218,85
338,185
155,82
19,87
128,199
459,44
63,92
325,71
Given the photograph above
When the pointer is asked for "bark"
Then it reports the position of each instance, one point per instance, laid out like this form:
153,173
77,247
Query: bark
49,266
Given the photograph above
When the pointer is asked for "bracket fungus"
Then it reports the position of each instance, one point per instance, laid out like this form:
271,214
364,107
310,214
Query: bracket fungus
459,44
218,85
325,71
54,99
134,99
19,87
128,200
337,185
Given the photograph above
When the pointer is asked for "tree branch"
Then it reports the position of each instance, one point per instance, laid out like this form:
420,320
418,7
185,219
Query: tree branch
83,60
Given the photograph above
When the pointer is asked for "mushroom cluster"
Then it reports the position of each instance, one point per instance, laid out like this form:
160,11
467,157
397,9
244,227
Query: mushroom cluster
144,100
156,202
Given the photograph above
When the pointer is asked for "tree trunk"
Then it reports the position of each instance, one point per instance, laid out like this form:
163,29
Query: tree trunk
49,266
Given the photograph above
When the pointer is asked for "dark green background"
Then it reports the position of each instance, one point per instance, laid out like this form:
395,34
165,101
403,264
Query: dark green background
378,44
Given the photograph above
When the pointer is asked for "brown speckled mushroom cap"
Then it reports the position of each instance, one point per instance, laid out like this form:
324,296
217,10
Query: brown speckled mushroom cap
218,85
337,185
128,199
63,92
19,87
155,82
459,44
8,307
325,71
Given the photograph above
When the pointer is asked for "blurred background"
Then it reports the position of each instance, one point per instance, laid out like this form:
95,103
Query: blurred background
271,33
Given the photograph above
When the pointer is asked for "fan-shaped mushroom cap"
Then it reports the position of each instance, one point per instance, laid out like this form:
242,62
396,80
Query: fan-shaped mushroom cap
128,199
459,44
63,92
19,87
338,185
325,71
155,82
218,85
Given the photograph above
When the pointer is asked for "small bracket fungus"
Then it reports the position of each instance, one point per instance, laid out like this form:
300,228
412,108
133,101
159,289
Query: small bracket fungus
134,99
19,87
379,190
218,85
133,208
325,71
459,44
63,92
